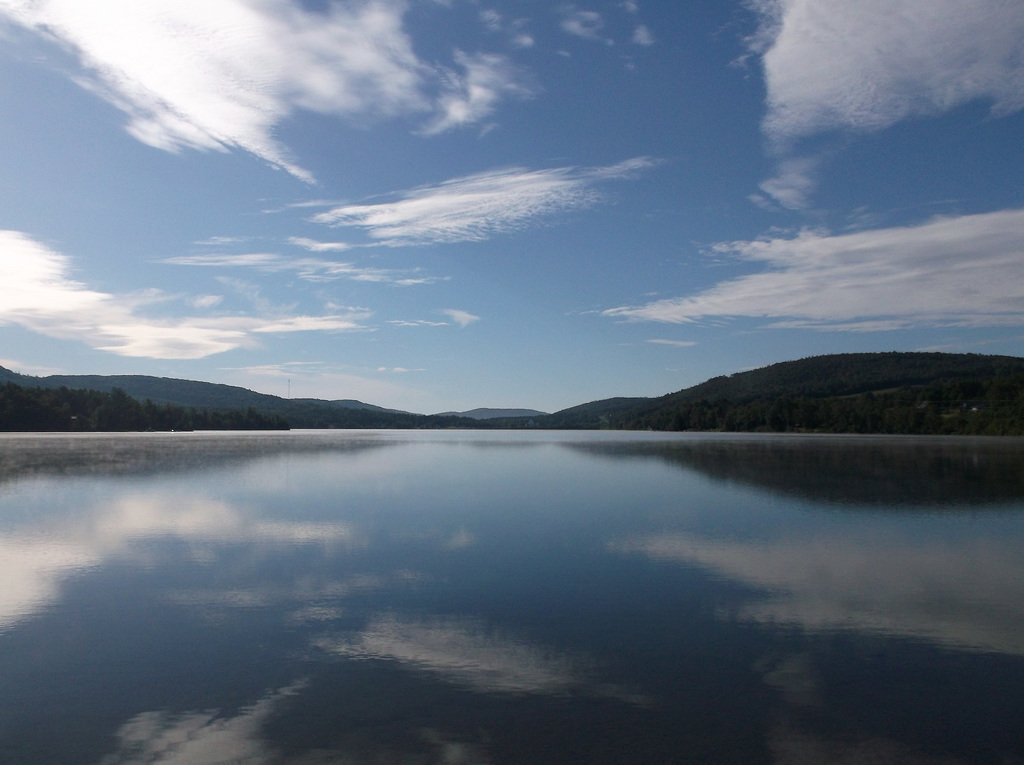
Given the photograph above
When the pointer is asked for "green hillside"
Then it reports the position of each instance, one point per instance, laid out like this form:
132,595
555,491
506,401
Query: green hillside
169,390
203,397
940,393
855,392
845,374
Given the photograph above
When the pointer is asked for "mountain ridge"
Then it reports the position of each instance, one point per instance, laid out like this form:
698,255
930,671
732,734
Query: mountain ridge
814,377
487,413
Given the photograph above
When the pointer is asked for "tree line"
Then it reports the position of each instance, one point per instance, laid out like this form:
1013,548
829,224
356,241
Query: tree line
993,406
67,410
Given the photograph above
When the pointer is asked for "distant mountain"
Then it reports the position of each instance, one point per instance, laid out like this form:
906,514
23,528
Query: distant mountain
299,413
494,414
852,392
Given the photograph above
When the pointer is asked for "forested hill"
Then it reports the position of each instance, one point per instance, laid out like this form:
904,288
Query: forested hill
856,392
131,402
841,393
170,390
845,374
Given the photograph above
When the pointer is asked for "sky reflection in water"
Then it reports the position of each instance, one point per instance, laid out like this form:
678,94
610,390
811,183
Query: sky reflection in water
530,597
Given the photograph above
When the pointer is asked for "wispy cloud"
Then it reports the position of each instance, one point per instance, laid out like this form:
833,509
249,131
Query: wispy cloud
515,29
642,35
792,185
962,271
585,24
200,75
863,66
416,323
462,318
29,369
674,343
309,269
37,292
317,379
469,97
314,246
476,207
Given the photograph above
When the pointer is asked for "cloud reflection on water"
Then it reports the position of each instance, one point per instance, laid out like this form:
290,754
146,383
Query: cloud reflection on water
36,561
969,594
213,738
199,737
464,652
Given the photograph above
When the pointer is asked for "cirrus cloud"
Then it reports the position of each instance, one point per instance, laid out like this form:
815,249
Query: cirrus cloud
961,271
476,207
462,318
308,269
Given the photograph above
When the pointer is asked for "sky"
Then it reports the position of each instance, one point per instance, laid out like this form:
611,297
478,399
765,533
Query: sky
437,205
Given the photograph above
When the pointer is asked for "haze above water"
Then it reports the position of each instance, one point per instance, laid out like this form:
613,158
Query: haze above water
488,597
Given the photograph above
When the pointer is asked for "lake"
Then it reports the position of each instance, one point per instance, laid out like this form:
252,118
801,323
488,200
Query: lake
510,597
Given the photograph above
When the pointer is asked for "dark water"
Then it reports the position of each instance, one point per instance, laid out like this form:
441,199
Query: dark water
468,597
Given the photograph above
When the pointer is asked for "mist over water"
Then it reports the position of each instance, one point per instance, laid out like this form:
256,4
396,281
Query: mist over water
489,597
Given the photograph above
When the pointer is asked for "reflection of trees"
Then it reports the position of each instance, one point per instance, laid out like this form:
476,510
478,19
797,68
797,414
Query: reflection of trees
873,471
150,453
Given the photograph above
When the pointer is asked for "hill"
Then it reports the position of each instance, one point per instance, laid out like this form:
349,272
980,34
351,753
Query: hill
849,393
170,390
854,392
845,374
484,413
215,397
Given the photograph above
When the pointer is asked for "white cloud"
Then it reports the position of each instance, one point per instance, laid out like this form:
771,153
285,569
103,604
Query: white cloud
314,246
869,64
205,301
220,75
643,36
37,292
312,324
585,24
416,323
863,66
309,269
475,207
220,241
675,343
468,98
30,369
794,182
462,318
262,260
962,271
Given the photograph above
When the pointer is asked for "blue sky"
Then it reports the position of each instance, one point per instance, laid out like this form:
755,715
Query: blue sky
437,205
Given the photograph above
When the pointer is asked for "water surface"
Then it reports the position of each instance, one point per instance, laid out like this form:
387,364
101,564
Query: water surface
476,597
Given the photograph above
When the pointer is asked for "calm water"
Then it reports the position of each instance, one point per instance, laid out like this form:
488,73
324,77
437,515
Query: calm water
469,597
